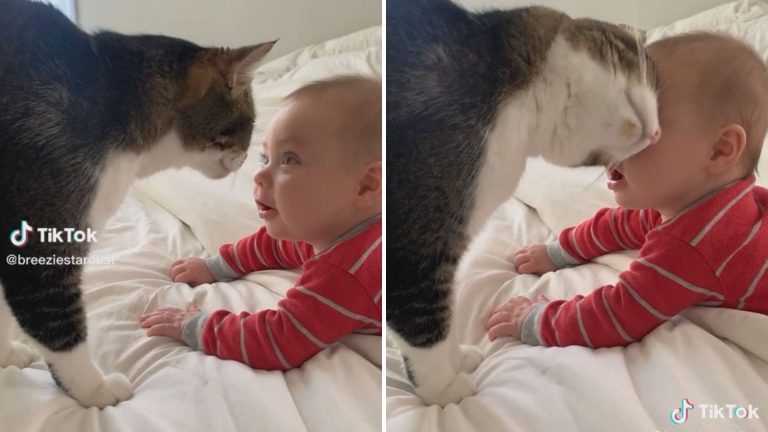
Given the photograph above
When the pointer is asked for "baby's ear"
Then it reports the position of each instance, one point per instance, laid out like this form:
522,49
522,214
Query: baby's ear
729,148
635,32
370,188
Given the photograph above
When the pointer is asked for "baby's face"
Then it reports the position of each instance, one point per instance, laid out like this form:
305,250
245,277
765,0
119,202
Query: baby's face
669,174
306,188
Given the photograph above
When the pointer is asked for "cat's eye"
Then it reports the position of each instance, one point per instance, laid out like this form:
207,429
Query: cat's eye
218,144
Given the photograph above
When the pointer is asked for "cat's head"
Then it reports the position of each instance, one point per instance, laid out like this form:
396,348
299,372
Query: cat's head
215,111
605,94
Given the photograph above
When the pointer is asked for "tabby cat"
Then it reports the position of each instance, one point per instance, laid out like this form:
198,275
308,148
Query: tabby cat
82,116
469,97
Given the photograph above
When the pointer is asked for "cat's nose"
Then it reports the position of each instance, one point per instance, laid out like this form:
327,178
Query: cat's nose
234,161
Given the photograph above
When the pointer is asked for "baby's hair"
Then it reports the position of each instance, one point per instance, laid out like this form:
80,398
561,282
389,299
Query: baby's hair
360,98
733,85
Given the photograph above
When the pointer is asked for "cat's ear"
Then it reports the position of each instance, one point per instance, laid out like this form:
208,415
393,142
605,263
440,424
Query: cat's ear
232,66
238,66
637,33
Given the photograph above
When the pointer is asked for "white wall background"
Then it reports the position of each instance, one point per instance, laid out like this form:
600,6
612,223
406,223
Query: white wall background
644,14
296,23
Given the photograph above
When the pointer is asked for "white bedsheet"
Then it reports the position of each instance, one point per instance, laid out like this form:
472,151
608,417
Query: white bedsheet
177,214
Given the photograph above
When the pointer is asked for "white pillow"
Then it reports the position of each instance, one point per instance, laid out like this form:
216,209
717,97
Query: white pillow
222,211
565,196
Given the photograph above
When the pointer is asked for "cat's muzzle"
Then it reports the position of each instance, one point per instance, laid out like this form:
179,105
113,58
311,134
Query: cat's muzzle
232,161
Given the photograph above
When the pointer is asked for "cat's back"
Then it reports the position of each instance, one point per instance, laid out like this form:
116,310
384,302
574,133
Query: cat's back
35,37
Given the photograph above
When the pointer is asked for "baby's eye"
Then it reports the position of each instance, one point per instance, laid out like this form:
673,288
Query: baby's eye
264,159
289,159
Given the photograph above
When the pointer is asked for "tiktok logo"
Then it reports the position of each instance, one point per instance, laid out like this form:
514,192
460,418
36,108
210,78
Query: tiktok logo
680,415
19,237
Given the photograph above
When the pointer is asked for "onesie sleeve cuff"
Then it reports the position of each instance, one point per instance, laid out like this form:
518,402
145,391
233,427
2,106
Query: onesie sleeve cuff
559,257
193,330
220,270
532,325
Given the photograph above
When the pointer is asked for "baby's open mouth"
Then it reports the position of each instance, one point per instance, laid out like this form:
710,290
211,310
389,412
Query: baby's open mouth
614,174
263,207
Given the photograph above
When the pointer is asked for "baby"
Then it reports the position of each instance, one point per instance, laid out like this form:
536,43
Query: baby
688,202
319,194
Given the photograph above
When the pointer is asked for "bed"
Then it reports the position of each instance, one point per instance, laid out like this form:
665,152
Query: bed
705,355
180,213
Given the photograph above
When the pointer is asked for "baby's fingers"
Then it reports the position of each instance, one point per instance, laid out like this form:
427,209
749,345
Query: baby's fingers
498,318
503,329
169,330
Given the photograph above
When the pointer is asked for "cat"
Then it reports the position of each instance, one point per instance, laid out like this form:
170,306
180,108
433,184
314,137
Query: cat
81,117
469,97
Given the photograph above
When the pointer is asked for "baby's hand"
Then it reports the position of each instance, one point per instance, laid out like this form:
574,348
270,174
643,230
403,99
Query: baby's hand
167,321
533,259
192,271
507,319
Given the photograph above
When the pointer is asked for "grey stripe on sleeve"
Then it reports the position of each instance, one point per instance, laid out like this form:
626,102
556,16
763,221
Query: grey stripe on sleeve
581,324
303,329
625,223
275,348
615,322
279,253
719,215
678,280
643,220
559,257
532,325
597,242
365,256
615,232
644,303
237,257
752,233
243,352
753,284
221,271
575,244
337,307
192,332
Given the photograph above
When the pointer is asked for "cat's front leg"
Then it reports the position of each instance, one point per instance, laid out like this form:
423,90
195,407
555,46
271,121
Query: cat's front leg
11,353
47,304
441,374
76,373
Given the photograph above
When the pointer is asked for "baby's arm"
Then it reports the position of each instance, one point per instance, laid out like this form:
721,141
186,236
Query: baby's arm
258,251
659,285
610,230
325,305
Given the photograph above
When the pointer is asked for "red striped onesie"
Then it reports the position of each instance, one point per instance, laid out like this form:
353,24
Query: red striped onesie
713,253
338,293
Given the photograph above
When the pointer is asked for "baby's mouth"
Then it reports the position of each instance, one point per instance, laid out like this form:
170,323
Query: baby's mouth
263,207
614,174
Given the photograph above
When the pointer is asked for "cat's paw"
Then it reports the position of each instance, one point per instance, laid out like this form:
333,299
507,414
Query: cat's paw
113,389
471,358
17,354
461,387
